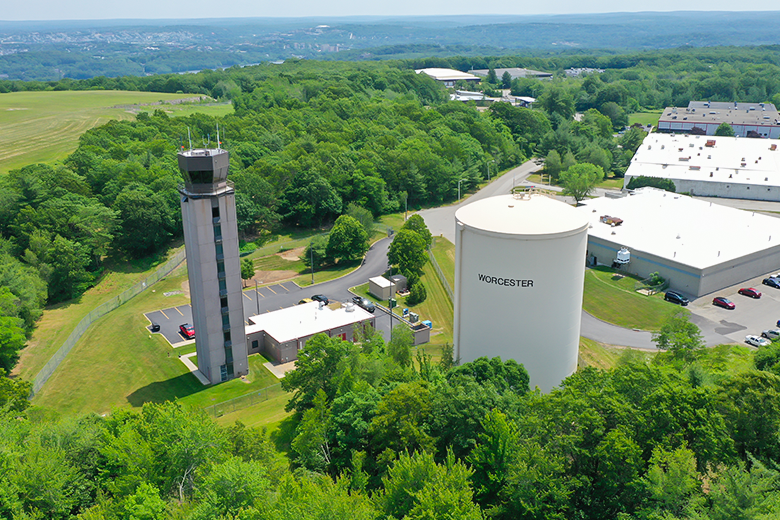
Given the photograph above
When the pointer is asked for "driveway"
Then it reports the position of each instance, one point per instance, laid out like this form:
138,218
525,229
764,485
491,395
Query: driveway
286,294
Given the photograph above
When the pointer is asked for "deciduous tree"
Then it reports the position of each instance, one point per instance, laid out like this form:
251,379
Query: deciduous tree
579,180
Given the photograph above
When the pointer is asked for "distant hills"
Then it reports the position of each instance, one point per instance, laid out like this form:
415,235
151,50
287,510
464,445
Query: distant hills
84,49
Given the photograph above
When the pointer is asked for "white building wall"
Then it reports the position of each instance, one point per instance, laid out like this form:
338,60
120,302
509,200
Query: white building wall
536,320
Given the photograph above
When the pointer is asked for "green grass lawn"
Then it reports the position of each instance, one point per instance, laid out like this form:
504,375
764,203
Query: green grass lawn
648,117
594,354
60,320
608,182
611,297
444,252
117,363
45,126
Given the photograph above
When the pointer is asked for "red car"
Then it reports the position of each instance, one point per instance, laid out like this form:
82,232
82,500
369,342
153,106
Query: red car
720,301
749,291
187,330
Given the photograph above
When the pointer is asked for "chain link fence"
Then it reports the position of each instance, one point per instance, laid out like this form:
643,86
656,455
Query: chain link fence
244,401
98,312
441,276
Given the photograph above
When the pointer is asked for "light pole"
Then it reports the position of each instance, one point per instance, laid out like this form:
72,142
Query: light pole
257,297
488,168
311,250
459,187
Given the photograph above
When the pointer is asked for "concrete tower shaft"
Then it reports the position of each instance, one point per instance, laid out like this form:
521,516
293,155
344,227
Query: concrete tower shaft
208,209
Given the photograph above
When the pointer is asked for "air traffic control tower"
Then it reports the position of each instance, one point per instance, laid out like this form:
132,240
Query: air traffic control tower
208,210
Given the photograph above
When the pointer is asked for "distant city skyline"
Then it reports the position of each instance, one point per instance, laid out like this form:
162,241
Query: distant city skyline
31,10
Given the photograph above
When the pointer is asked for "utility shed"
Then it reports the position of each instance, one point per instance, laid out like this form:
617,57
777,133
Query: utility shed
699,246
281,334
381,287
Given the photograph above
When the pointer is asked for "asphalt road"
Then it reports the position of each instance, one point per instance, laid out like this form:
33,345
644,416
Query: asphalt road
285,294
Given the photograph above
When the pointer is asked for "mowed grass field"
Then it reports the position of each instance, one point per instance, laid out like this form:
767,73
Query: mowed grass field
611,297
43,127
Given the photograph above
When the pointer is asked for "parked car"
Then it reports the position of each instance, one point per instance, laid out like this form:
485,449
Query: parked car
772,282
320,298
757,341
364,303
720,301
677,298
187,330
154,327
749,291
305,300
771,334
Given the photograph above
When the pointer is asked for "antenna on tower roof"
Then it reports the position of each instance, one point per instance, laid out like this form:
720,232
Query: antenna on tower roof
219,143
189,137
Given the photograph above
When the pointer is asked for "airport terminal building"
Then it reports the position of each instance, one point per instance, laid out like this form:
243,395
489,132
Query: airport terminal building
729,167
699,246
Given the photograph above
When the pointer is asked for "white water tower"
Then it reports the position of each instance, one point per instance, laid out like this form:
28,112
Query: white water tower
519,272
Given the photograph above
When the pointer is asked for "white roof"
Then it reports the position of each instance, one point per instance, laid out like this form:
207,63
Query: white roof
304,320
679,228
521,216
447,74
381,281
734,160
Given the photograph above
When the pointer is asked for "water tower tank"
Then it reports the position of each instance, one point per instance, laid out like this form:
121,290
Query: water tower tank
519,271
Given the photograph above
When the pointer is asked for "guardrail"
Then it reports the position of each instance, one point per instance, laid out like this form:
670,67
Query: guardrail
48,369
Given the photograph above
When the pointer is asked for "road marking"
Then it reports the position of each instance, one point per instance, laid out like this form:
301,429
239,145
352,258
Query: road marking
247,297
283,287
177,310
166,316
271,290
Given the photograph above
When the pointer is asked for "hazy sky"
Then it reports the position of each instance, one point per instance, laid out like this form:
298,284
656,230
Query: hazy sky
113,9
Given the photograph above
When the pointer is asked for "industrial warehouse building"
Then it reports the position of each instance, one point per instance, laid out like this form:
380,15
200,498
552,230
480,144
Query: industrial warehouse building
519,270
515,72
448,76
281,334
706,166
746,119
699,246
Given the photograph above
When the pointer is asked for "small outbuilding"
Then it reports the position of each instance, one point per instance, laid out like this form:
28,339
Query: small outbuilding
400,282
281,334
382,288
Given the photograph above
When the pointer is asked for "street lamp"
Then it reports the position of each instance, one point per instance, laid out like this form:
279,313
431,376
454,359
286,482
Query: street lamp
459,187
487,164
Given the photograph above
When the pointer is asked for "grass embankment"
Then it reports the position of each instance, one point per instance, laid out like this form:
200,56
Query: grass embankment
648,117
609,183
119,363
611,297
58,321
46,126
594,354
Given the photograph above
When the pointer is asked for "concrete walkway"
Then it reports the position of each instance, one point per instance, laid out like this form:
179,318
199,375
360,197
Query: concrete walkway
280,370
192,368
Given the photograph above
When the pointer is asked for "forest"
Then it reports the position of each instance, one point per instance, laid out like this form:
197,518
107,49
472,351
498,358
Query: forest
380,433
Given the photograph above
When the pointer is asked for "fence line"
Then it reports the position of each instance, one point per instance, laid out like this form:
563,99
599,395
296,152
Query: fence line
100,311
441,276
244,401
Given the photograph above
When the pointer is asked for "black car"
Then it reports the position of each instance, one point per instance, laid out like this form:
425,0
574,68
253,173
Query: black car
320,298
154,327
364,303
677,298
772,282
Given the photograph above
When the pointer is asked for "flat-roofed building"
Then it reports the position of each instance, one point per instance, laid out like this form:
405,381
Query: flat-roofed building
699,246
704,117
448,76
707,166
515,72
281,334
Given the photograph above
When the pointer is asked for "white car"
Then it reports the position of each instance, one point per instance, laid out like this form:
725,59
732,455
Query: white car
757,341
771,334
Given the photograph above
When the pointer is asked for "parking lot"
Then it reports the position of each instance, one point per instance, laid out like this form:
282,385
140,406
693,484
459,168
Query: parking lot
750,316
264,299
